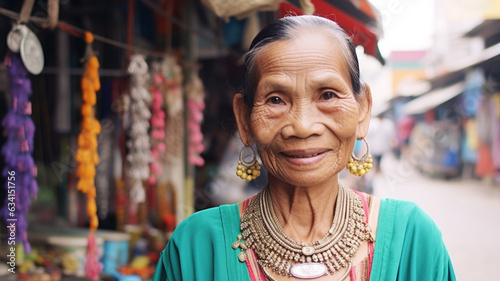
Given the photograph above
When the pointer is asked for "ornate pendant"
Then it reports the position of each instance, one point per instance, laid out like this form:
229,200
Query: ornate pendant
308,270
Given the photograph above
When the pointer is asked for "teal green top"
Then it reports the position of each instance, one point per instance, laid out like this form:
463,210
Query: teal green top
408,246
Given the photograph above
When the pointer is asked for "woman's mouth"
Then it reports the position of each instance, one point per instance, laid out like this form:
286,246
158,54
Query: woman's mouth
305,158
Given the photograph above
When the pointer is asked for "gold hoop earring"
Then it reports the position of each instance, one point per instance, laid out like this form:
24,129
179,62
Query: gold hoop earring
360,166
248,170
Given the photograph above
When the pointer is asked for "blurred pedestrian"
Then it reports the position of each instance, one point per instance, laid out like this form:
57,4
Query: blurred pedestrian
382,138
404,128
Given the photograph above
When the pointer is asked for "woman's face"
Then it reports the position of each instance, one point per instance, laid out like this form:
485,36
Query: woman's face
305,116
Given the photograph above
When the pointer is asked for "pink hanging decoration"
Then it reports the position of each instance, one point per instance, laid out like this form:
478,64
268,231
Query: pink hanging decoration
93,267
20,169
157,133
195,105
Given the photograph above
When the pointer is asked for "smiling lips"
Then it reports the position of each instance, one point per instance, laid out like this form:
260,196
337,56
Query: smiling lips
305,157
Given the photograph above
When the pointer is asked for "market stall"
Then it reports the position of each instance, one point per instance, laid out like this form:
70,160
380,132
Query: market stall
116,118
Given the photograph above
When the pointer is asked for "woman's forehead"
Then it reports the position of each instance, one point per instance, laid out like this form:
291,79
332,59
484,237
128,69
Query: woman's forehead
306,52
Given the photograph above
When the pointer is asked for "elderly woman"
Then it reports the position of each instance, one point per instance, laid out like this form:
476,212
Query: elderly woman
303,107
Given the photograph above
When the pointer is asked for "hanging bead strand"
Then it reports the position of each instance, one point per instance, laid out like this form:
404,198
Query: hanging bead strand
157,126
87,155
139,147
195,105
20,170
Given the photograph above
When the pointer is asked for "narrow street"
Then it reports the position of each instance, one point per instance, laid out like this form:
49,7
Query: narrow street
466,211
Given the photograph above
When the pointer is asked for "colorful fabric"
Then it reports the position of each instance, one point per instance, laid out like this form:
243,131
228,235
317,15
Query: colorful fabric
409,247
484,165
495,130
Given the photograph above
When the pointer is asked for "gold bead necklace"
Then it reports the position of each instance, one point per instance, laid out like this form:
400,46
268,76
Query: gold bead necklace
262,232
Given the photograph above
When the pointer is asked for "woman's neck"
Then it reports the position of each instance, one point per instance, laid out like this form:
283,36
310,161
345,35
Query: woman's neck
305,213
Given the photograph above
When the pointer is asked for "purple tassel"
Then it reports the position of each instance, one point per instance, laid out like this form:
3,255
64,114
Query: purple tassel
17,150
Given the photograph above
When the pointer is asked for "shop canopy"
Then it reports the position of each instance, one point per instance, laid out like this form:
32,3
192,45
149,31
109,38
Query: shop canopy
359,21
433,98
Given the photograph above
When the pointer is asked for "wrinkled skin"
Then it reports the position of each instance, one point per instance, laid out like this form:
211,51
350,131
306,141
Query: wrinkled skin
304,107
304,121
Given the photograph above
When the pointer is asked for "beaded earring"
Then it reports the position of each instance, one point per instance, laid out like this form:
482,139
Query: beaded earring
360,166
248,170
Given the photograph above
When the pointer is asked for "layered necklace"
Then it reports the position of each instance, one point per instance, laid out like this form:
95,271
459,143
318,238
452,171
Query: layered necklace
262,232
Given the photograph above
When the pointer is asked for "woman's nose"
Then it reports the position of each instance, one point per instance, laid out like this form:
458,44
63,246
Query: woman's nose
302,122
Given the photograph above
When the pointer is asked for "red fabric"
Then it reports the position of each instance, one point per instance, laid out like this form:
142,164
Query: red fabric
484,164
359,32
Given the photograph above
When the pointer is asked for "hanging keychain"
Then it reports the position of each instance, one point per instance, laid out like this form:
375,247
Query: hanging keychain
22,40
19,30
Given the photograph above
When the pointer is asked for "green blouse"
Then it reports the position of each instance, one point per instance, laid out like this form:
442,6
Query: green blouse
408,246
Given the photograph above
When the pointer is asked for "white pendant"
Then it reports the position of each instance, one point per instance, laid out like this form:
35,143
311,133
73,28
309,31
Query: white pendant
32,53
308,270
15,37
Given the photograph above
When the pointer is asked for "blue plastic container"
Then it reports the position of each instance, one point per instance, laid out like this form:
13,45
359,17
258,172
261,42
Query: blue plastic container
115,250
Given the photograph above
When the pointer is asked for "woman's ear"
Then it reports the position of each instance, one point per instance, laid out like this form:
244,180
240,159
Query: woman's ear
242,115
365,110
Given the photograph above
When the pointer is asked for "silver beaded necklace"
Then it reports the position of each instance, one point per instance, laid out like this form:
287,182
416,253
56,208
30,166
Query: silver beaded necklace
276,251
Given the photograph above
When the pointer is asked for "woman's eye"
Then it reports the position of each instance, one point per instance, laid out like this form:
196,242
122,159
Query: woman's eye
328,95
275,100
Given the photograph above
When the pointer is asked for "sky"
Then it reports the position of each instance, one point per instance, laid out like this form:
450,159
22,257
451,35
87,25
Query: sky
408,24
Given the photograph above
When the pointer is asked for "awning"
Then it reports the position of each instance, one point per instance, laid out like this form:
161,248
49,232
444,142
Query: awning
360,23
470,61
413,88
433,98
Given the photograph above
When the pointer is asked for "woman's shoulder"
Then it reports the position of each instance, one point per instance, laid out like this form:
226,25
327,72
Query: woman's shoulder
407,215
402,207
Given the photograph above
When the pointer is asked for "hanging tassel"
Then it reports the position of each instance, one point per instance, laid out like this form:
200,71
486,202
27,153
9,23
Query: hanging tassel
195,105
139,148
87,156
174,127
92,265
157,134
20,170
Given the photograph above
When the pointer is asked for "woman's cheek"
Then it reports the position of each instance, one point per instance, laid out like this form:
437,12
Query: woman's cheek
263,130
343,120
265,124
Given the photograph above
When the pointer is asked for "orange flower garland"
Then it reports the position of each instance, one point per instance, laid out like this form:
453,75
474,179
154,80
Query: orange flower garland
87,155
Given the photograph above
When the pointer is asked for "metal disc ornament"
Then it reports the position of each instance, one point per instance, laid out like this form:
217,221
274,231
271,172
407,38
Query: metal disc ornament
15,37
32,53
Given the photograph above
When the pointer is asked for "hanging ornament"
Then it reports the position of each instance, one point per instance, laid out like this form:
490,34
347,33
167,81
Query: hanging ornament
139,151
174,137
157,134
87,155
173,161
32,53
20,170
22,40
173,73
196,105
